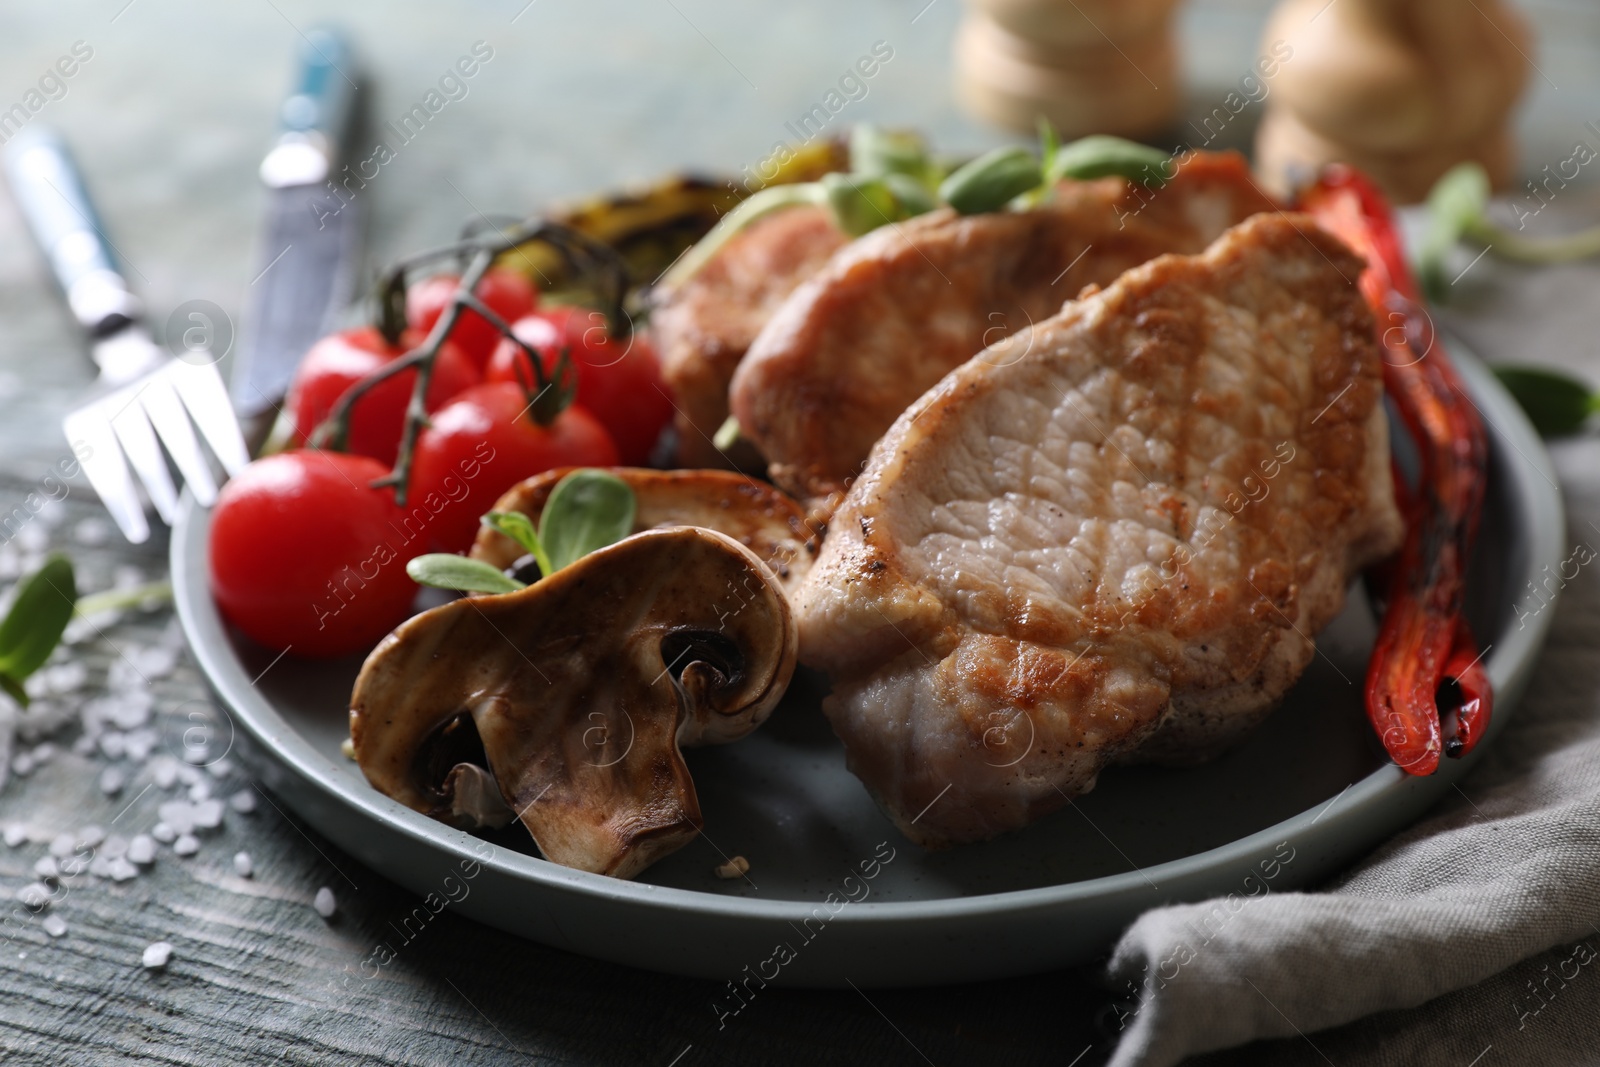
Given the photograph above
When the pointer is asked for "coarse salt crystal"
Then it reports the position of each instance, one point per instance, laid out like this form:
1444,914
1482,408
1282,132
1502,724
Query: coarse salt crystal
139,743
90,836
242,865
16,834
43,753
187,775
35,895
22,765
155,662
47,868
112,779
156,956
55,926
186,845
165,772
85,744
115,845
142,849
100,866
121,870
200,791
221,768
113,745
61,844
243,802
178,814
93,531
208,814
72,866
325,903
163,833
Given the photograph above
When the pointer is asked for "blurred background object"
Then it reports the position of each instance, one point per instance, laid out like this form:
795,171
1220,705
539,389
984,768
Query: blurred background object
1089,66
1401,89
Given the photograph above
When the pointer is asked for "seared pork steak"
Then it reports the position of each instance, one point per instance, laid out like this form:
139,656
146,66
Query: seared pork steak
898,309
703,328
1134,516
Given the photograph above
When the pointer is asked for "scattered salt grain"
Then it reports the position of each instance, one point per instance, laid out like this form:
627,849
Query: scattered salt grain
221,768
72,866
156,955
243,802
115,845
347,748
47,868
242,865
208,814
155,662
100,866
55,926
16,834
163,833
113,745
200,791
142,849
178,814
61,845
35,895
324,903
120,870
33,538
139,743
85,744
22,765
93,531
90,837
164,772
112,779
187,775
186,845
43,753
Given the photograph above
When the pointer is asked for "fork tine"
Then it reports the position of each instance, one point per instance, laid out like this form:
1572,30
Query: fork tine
92,439
139,444
172,423
207,399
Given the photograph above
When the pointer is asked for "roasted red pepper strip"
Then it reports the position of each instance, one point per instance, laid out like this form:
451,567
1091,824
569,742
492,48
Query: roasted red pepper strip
1423,641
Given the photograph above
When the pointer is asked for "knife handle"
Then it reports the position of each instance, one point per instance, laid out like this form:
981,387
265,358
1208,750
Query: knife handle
51,195
316,115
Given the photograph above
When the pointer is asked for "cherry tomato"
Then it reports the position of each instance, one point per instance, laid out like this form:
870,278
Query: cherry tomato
304,555
481,444
341,359
508,293
619,382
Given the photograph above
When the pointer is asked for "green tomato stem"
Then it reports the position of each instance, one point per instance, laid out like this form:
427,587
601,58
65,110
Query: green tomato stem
122,599
1515,247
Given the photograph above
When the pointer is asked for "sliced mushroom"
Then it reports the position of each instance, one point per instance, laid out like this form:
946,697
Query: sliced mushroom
577,692
763,519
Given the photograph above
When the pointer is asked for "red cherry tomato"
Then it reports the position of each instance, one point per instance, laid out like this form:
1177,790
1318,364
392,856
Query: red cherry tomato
341,359
304,555
481,444
508,293
619,382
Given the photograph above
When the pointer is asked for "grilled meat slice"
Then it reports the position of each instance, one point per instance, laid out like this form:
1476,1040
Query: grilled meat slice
703,328
1131,518
898,309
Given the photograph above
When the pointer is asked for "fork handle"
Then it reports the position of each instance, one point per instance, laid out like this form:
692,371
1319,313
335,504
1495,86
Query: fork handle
51,195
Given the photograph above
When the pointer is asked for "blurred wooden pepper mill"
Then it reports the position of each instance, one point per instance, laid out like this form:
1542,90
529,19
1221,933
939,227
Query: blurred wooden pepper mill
1402,89
1089,66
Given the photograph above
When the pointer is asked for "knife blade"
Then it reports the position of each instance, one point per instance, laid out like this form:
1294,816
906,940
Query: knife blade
311,247
51,196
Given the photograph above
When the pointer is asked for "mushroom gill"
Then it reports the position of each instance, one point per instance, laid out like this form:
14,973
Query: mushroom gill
576,694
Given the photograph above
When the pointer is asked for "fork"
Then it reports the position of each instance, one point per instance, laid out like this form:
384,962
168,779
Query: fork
149,398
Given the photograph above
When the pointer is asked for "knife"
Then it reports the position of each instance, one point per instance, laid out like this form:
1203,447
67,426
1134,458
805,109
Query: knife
311,250
51,196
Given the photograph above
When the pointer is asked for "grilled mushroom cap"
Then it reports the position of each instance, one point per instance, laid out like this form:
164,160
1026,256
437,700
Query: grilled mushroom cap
763,519
577,692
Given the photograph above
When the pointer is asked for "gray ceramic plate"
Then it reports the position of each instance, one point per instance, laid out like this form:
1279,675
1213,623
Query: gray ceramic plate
1306,794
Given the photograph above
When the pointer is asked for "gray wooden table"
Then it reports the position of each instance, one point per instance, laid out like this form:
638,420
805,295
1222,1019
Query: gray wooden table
169,118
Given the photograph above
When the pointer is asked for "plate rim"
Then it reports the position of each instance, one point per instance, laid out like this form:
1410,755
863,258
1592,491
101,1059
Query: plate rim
1509,664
